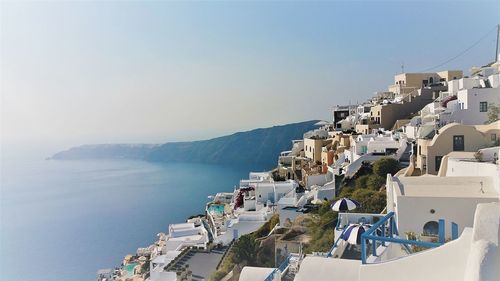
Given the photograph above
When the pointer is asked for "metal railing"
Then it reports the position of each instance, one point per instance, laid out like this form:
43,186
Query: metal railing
281,268
385,231
336,243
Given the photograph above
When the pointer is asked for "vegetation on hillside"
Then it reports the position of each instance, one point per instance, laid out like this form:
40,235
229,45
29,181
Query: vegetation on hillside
366,188
320,227
249,250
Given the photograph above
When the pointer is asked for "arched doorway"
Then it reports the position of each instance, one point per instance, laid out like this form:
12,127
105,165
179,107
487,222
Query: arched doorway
431,228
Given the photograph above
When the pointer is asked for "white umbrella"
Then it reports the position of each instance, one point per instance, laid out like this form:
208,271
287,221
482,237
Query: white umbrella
353,232
345,204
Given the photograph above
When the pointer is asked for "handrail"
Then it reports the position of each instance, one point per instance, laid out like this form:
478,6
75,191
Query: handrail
378,224
335,244
371,234
282,267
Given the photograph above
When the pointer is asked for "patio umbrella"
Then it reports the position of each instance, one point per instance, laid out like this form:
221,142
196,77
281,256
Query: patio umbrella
345,204
353,232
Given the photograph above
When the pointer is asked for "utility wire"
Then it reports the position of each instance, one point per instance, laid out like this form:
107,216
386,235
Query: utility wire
461,53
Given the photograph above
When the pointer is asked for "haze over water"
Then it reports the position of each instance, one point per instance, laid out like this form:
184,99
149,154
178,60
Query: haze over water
63,220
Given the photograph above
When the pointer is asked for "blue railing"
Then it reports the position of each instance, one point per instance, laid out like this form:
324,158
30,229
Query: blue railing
385,230
335,244
280,268
284,264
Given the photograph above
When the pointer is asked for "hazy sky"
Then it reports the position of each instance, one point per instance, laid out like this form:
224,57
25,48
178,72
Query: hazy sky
97,72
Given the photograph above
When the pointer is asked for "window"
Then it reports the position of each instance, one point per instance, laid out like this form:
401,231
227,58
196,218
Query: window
419,150
483,106
437,163
458,143
493,137
364,149
431,228
431,80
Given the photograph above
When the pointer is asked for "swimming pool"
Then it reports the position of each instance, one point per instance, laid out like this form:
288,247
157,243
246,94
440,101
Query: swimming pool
130,268
217,209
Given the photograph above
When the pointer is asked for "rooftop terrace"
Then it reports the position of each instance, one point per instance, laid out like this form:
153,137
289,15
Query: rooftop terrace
460,187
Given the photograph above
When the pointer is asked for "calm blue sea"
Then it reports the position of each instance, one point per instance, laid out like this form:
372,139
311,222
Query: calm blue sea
63,220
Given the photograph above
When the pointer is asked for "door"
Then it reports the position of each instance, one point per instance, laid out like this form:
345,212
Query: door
458,143
437,163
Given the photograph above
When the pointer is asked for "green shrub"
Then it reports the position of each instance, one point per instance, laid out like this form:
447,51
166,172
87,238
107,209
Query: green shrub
267,227
361,182
217,275
385,166
324,208
245,250
374,182
346,192
371,201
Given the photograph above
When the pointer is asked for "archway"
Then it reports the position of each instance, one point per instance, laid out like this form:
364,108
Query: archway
431,228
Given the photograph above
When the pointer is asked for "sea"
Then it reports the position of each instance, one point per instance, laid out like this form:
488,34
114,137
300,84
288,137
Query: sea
63,220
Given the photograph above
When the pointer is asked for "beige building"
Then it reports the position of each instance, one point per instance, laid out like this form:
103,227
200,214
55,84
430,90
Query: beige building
313,147
335,146
405,83
453,137
386,115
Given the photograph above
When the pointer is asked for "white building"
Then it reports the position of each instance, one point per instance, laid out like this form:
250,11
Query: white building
256,177
420,202
182,235
466,101
268,193
385,143
466,192
157,267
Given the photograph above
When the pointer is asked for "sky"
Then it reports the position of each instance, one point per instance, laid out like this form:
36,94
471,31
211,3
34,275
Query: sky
149,72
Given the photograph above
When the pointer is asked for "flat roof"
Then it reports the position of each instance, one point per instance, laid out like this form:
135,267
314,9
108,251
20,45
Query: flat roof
255,273
182,226
434,186
322,268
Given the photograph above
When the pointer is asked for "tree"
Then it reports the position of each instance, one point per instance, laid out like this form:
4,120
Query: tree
493,113
324,208
245,249
361,182
371,201
374,182
385,166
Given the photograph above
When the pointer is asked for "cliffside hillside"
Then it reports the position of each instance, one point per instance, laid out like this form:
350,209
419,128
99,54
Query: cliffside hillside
106,151
257,148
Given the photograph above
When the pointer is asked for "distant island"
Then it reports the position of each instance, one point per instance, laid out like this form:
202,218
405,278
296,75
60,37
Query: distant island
256,148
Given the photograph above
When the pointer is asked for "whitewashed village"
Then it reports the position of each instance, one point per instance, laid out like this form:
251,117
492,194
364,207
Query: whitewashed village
403,185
